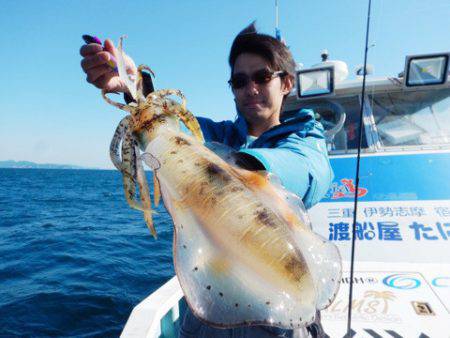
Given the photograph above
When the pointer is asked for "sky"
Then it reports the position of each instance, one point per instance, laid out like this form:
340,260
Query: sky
50,114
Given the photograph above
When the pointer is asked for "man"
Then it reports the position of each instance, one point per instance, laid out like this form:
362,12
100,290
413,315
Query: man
262,75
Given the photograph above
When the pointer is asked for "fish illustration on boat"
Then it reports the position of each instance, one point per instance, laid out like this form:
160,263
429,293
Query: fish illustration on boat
243,248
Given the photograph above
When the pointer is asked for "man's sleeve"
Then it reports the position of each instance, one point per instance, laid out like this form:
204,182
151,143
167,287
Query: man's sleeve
214,131
301,164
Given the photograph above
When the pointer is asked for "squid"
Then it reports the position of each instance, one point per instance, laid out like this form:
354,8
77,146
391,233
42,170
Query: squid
243,248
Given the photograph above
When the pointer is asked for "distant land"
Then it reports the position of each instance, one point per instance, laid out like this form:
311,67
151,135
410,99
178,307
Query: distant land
32,165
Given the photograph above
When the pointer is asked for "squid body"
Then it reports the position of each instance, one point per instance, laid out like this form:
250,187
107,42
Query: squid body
243,247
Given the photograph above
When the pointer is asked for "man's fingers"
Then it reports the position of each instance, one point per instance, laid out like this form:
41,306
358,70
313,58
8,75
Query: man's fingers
103,82
94,74
97,65
93,61
109,47
91,48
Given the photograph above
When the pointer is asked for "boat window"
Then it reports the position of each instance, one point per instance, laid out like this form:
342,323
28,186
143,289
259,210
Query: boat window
411,118
330,112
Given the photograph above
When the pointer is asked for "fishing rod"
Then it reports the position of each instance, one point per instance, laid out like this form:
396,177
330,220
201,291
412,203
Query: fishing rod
358,160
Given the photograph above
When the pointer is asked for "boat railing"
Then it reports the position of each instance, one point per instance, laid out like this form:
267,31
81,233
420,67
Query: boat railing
167,305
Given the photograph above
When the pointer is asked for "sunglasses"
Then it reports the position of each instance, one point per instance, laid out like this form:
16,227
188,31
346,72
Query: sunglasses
259,77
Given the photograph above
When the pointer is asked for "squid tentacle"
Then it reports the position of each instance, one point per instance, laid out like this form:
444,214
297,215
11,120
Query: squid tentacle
133,172
154,165
185,115
156,189
159,94
128,161
129,171
119,134
140,81
144,194
190,122
121,106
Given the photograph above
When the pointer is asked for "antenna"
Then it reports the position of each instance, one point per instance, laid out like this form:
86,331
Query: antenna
277,30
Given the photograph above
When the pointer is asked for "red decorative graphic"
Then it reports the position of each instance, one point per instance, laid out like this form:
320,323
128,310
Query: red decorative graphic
346,190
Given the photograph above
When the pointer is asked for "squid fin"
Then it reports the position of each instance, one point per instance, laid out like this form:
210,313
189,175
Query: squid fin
324,260
294,203
225,152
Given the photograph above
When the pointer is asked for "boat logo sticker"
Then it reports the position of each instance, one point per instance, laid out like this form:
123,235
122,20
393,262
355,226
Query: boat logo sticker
345,189
401,281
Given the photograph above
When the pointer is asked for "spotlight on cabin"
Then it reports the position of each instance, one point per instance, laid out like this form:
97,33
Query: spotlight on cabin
426,70
315,82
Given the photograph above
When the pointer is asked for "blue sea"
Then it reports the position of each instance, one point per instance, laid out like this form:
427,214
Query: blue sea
75,259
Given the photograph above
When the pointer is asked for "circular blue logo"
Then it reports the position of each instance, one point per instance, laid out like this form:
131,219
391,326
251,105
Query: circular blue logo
401,281
442,282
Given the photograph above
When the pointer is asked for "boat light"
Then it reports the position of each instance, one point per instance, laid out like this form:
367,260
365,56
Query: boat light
426,70
315,81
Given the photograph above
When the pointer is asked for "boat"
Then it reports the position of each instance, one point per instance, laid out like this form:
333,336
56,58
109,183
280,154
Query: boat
401,279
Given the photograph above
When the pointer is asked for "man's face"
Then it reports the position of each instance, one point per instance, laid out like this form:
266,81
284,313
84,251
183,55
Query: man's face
259,103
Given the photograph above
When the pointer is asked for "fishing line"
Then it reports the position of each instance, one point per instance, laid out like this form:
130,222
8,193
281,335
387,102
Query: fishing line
358,159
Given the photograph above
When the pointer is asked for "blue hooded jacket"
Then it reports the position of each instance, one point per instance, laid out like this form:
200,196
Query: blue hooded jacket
295,151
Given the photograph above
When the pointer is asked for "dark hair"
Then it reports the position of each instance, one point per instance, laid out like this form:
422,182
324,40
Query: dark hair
274,51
